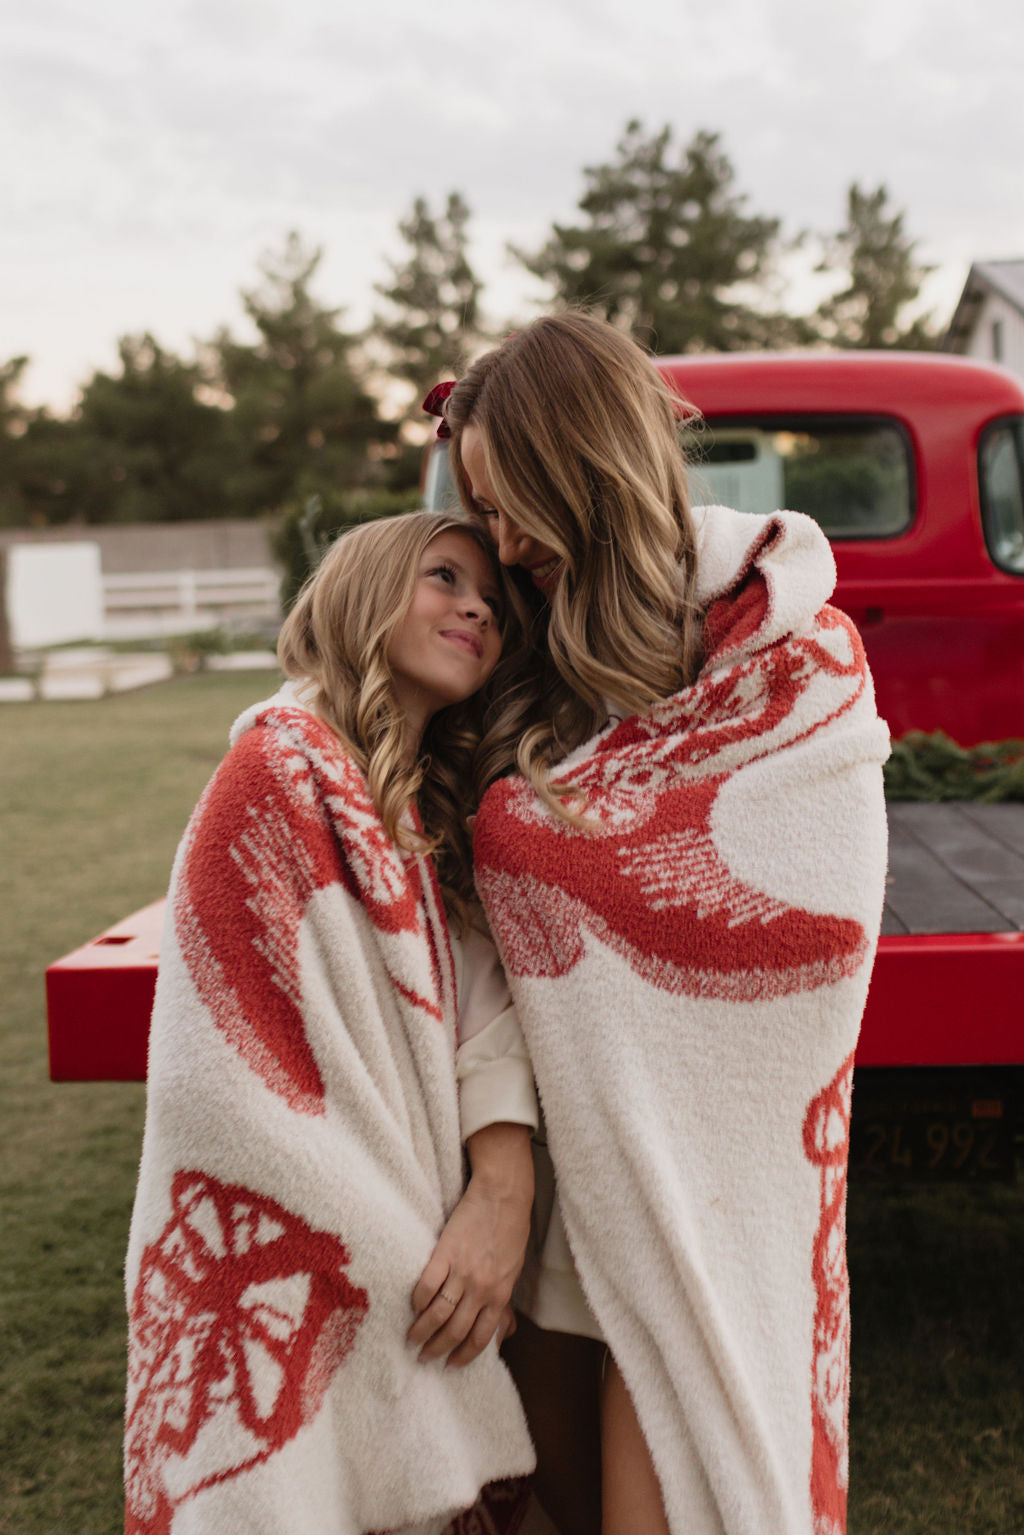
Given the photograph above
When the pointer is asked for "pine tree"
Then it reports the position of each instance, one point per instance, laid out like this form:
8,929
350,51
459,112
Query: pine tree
433,301
140,445
14,420
158,449
668,251
884,278
301,418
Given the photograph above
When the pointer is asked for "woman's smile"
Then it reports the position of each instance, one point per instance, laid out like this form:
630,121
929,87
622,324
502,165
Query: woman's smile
543,573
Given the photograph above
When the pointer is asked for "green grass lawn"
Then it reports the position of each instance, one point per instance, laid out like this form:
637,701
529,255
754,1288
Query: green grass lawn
937,1400
94,798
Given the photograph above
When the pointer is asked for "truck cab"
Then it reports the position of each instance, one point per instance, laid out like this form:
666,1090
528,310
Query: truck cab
913,464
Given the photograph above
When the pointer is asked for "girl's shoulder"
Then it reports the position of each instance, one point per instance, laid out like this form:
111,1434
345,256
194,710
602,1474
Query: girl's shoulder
282,743
289,720
289,710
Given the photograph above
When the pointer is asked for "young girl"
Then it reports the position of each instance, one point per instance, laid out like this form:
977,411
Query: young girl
304,1256
685,884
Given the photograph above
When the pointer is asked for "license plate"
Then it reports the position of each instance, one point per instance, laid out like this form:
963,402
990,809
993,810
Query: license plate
931,1136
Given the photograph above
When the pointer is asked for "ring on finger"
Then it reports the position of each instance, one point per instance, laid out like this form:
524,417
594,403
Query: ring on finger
449,1298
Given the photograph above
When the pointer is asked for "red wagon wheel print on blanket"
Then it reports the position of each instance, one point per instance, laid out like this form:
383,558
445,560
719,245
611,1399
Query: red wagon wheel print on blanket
241,1315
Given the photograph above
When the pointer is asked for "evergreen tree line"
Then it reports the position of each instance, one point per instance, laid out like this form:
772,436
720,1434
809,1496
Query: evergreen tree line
663,244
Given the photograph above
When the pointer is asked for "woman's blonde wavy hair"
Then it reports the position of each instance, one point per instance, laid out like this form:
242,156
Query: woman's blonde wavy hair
334,644
581,444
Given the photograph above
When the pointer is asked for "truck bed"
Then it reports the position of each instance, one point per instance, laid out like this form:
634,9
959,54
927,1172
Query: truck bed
948,984
955,868
947,989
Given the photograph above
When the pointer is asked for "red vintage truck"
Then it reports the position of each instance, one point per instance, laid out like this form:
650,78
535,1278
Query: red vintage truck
914,466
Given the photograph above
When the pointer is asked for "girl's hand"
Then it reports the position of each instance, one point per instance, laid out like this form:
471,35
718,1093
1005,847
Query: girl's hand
462,1297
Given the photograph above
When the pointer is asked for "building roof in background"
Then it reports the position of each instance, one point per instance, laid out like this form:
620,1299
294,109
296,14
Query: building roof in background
1006,278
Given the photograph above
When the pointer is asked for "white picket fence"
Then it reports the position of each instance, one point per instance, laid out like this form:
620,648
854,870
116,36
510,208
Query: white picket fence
166,602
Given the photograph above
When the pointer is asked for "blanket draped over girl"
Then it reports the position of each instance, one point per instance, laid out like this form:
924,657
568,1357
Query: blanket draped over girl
302,1153
690,974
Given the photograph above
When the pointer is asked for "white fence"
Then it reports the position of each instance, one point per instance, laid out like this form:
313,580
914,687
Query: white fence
137,607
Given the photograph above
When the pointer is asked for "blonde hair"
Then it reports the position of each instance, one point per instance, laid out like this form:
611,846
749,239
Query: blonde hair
335,641
580,440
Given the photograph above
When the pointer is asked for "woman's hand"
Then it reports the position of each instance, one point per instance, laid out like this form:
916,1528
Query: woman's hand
462,1297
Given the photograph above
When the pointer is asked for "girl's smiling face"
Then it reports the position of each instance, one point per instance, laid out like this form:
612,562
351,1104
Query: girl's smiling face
448,642
514,546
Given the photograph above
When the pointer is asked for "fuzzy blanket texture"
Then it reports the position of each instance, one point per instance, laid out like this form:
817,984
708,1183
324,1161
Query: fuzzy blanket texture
301,1155
690,977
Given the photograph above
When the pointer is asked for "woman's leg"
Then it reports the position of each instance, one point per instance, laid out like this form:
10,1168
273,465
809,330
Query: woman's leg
558,1375
631,1497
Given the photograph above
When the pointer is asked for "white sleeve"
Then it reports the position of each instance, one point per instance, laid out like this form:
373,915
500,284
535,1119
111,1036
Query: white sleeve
492,1065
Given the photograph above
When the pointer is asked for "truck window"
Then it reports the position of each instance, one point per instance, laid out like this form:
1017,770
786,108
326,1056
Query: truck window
439,490
1001,482
854,477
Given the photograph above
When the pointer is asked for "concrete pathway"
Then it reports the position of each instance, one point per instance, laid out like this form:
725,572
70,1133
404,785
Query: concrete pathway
90,671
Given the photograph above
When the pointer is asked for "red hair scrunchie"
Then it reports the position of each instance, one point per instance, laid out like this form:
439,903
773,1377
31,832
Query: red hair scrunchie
434,406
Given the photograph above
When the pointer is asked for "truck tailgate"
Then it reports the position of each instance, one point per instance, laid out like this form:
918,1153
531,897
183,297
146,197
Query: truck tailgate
948,985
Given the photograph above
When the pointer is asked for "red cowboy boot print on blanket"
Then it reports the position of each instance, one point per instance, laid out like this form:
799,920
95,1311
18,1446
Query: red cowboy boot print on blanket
241,1315
650,882
274,827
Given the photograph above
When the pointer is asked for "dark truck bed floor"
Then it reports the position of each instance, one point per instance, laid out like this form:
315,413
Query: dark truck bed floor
955,868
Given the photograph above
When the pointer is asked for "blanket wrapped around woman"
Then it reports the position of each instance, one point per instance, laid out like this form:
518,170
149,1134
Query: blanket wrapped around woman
302,1153
690,972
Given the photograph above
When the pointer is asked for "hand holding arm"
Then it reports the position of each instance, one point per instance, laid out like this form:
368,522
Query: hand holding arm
462,1297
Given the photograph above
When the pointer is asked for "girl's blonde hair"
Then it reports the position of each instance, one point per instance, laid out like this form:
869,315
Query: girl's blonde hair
581,445
335,642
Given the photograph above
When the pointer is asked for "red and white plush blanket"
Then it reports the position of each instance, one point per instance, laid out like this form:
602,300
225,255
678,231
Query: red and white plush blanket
691,978
301,1155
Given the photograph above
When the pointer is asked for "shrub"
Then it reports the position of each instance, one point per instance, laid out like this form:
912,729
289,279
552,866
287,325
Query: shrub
309,526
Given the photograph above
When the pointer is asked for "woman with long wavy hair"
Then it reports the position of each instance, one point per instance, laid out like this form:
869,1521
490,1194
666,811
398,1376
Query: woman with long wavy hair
331,1035
684,876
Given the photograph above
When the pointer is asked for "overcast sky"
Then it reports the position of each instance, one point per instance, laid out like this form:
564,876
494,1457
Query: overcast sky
150,153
